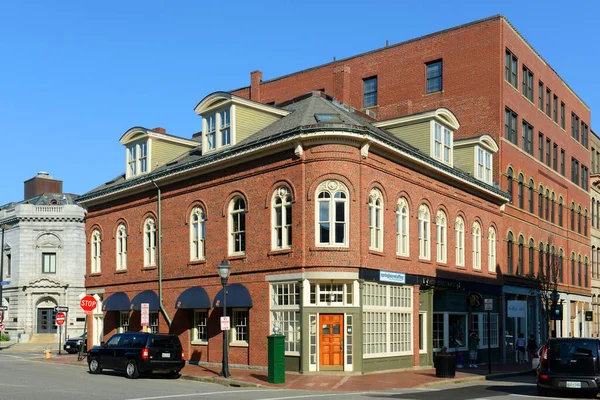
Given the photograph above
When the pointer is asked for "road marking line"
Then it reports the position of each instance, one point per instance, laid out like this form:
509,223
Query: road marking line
200,394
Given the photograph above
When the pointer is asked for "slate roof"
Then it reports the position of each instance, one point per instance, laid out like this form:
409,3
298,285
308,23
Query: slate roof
46,199
300,120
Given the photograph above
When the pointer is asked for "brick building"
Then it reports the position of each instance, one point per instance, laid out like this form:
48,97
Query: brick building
338,231
498,85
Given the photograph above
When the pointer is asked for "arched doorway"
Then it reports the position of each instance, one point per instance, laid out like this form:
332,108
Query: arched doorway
46,315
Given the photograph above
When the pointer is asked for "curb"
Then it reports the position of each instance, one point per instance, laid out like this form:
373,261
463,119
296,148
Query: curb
223,381
479,378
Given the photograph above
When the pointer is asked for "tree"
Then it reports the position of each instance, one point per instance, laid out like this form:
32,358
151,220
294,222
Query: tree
550,274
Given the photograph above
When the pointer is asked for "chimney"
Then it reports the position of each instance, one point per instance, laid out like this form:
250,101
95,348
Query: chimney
159,129
255,80
40,184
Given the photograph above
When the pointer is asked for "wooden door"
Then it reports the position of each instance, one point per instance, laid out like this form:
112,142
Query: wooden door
331,335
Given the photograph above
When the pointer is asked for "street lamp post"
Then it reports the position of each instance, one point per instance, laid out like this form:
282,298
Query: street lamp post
224,271
3,227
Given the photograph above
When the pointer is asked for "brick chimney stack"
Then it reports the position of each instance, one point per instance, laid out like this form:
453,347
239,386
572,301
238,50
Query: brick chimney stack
40,184
255,80
159,129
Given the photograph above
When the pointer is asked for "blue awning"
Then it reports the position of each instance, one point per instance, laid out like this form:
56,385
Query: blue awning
116,302
194,297
147,296
237,296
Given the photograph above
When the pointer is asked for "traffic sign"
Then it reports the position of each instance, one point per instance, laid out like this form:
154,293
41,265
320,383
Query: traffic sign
1,326
5,283
225,324
61,309
88,303
60,318
1,316
145,313
489,304
3,308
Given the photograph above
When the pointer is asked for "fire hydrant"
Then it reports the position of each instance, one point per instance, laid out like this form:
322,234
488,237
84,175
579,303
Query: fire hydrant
48,353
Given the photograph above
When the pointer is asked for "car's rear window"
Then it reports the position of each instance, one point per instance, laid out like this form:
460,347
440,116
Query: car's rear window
164,341
574,355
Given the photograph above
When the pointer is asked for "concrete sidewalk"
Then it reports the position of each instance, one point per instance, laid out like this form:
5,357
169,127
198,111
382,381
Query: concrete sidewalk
339,382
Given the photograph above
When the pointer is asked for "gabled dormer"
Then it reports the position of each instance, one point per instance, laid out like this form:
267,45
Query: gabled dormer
475,156
432,132
228,119
148,149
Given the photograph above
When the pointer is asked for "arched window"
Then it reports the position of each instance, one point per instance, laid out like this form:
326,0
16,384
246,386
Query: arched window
573,268
149,242
594,264
237,226
548,258
530,198
476,233
541,202
573,216
375,220
459,227
585,272
578,219
520,255
560,211
509,184
332,213
561,257
585,222
547,205
441,247
197,234
553,204
281,204
593,211
579,270
598,213
491,250
424,232
121,247
554,265
96,252
531,257
509,242
520,191
541,261
402,242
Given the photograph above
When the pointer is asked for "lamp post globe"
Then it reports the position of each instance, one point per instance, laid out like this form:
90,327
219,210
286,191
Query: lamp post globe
224,270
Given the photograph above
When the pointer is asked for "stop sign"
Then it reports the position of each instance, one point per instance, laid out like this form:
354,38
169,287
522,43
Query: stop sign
88,303
60,318
1,327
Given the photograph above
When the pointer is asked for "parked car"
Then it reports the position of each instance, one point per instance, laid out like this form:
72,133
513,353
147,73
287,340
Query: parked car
138,352
72,345
569,365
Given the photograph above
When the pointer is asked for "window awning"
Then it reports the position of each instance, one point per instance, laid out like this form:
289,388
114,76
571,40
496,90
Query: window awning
237,296
194,297
147,296
118,301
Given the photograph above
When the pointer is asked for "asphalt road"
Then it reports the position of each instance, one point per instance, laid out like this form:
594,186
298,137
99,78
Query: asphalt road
22,378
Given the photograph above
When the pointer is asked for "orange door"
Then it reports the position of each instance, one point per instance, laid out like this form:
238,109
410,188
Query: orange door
331,341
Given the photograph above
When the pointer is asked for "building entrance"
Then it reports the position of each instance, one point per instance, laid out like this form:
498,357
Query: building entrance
331,339
46,320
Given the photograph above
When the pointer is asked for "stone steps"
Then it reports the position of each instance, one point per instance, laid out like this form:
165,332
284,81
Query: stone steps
42,338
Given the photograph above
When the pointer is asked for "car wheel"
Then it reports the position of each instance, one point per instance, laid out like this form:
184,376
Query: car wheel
94,365
542,392
131,370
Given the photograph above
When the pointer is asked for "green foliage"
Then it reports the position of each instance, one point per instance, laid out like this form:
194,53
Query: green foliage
4,337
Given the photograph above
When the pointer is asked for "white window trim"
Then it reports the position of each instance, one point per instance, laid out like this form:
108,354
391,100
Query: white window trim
231,236
424,333
376,220
150,242
216,114
476,234
441,236
492,250
295,308
136,162
424,233
286,201
460,241
446,315
487,171
232,341
332,186
402,228
197,243
481,328
121,247
443,143
96,252
194,330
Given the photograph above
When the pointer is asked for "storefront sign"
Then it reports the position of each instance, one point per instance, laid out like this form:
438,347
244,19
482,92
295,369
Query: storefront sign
475,299
395,277
440,283
516,308
589,315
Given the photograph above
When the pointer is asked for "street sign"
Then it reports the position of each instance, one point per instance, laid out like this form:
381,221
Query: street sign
489,304
225,324
1,327
60,318
61,309
5,283
145,311
3,308
88,303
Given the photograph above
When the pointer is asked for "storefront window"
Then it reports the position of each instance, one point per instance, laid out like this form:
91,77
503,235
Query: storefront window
457,334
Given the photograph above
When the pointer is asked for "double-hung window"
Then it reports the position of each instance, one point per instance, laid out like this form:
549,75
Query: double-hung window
49,263
434,76
137,159
484,165
282,219
150,242
510,126
96,252
492,250
511,65
476,232
199,334
121,247
211,132
332,214
442,143
548,98
285,314
402,248
197,234
376,220
240,332
237,226
441,236
370,92
459,227
225,127
527,137
527,83
424,232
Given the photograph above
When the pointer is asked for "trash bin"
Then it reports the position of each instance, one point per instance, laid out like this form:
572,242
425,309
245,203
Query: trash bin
445,365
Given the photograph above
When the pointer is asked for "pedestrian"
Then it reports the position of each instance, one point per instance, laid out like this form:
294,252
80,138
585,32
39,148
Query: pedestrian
531,346
473,346
521,347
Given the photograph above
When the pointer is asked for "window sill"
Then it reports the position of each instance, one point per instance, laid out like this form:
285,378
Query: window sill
425,260
95,274
434,93
332,248
121,271
238,344
199,343
149,268
279,252
478,270
192,263
233,257
378,253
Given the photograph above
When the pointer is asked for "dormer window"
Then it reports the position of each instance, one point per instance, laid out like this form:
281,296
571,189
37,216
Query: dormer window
218,130
211,136
137,159
484,165
442,146
225,128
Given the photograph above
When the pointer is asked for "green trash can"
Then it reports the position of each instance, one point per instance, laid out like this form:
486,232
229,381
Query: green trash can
276,368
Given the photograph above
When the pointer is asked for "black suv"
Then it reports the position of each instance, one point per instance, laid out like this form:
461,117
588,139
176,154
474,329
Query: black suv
138,352
569,365
74,344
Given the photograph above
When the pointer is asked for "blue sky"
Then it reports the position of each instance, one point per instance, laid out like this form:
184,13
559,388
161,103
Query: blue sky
75,75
